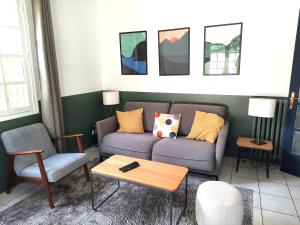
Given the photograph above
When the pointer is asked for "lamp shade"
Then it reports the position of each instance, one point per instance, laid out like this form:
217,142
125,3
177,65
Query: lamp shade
262,107
110,97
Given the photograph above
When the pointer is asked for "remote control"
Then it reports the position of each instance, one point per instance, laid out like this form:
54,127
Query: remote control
129,167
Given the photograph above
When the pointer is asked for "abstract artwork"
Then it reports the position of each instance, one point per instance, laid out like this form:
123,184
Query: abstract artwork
133,48
222,49
174,51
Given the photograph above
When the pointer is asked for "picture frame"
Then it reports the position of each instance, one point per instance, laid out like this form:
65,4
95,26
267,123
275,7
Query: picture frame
133,53
174,51
222,49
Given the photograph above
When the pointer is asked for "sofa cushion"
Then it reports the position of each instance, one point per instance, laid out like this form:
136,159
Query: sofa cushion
149,109
137,145
197,155
57,166
206,127
187,112
131,121
166,125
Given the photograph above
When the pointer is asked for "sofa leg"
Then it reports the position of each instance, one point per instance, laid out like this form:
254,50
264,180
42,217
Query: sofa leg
217,178
86,172
103,158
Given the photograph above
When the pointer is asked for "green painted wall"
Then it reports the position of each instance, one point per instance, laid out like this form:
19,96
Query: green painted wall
81,112
240,122
7,125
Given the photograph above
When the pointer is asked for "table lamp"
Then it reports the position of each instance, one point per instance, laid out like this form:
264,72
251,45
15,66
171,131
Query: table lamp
261,108
111,98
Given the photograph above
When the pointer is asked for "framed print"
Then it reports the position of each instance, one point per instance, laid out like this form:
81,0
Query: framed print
222,49
133,49
174,51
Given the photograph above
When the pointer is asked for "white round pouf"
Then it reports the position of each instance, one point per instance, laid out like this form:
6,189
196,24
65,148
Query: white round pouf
218,203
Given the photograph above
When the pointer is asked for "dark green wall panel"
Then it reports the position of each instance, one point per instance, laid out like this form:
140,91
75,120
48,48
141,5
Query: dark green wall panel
7,125
81,112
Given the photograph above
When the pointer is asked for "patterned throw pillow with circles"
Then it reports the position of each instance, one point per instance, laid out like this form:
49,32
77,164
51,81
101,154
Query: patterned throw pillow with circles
166,125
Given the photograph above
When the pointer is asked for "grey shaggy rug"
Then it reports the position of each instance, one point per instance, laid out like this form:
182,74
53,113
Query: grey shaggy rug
132,204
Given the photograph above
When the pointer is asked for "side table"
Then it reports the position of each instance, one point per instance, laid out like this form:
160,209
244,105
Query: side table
245,143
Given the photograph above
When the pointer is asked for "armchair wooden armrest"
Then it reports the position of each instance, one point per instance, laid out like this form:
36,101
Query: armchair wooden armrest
69,136
78,140
25,152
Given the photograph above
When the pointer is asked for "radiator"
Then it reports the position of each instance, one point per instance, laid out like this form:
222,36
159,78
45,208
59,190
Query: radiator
272,129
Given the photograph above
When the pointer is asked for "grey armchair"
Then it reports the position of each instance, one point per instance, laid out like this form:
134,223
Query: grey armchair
34,159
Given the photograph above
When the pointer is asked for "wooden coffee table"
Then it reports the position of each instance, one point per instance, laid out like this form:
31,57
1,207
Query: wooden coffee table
152,174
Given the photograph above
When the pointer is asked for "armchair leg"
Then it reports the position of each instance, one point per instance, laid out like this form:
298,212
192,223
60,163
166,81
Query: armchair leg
48,193
45,180
10,174
86,172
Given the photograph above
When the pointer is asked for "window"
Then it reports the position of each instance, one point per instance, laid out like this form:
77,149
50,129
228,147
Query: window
17,68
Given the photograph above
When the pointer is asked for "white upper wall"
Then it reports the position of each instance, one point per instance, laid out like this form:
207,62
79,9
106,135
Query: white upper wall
269,33
75,25
86,36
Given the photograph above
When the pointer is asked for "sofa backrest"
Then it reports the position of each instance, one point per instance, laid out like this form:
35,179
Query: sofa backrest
187,112
149,109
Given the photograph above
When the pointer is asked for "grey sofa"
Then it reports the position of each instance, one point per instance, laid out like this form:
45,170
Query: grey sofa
198,156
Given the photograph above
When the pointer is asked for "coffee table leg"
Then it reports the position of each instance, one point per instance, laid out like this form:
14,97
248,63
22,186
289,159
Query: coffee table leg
172,202
104,200
238,160
171,207
186,191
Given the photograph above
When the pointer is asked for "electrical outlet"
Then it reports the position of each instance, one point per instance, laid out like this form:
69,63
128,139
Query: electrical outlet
93,131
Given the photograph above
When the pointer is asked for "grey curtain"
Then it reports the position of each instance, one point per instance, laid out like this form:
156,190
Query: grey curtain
51,106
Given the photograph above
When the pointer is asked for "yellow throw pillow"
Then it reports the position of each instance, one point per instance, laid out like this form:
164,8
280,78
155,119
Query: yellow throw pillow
131,121
206,127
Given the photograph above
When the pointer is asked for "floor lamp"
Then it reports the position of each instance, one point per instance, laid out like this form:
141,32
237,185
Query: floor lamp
111,98
261,108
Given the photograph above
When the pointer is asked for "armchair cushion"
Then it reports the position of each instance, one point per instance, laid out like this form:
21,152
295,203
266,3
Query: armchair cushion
57,166
34,136
197,155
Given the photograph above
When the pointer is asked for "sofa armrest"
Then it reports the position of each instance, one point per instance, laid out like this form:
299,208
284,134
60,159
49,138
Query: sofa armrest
106,126
221,144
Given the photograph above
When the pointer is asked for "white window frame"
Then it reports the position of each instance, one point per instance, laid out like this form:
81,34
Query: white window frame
30,63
